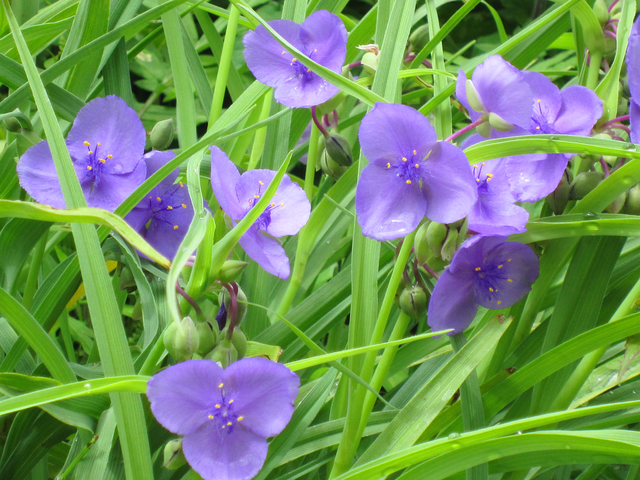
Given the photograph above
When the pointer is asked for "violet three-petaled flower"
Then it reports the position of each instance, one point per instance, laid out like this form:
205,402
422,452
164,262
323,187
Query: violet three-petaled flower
486,271
633,74
322,37
106,144
224,415
287,213
164,215
410,174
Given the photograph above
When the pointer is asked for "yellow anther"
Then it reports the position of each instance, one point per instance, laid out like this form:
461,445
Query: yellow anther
89,167
415,152
273,204
99,144
315,50
217,405
489,175
475,166
477,180
417,165
498,302
283,52
308,70
538,127
102,160
500,266
150,198
90,152
388,165
477,269
240,419
404,159
260,182
508,259
490,289
158,199
408,182
181,184
538,100
169,207
229,424
509,280
221,385
256,196
175,227
210,417
109,156
87,143
294,59
483,163
230,401
282,204
184,206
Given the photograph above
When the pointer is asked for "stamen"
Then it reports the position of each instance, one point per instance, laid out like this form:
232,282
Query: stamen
109,157
490,289
308,70
315,50
388,165
294,59
256,196
169,207
417,165
260,182
273,204
229,424
404,159
500,266
537,127
221,385
181,184
175,227
217,405
498,302
415,152
90,152
210,417
538,100
283,52
184,206
408,182
89,167
86,143
477,269
230,401
159,199
509,280
102,160
240,419
282,204
508,259
99,144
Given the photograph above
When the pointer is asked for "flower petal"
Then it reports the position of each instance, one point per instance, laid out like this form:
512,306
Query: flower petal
387,207
532,178
325,39
291,211
266,252
447,184
112,123
634,123
452,303
110,190
218,455
304,90
633,60
546,97
391,130
581,109
162,233
224,176
181,396
263,393
503,90
251,186
37,175
155,160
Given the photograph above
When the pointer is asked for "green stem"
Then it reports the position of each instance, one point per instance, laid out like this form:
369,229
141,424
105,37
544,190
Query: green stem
472,408
223,66
350,439
594,70
312,160
63,323
76,460
261,133
34,270
149,365
382,369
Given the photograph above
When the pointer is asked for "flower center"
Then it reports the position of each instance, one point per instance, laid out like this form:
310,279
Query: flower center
408,168
223,413
482,179
301,70
96,160
264,220
541,119
487,280
160,206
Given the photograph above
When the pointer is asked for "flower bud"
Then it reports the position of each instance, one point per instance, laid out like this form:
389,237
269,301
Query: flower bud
559,198
224,354
206,338
338,149
231,270
584,183
498,123
370,62
173,455
419,38
632,204
601,11
421,244
181,339
462,226
450,245
436,235
239,341
330,167
225,299
12,124
162,134
413,301
617,204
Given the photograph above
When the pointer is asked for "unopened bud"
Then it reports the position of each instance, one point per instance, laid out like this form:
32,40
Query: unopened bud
12,124
206,338
162,134
231,270
436,235
413,301
450,245
338,149
370,62
224,354
173,455
584,183
330,167
225,298
559,198
601,11
181,339
421,244
419,38
239,341
617,205
632,204
473,97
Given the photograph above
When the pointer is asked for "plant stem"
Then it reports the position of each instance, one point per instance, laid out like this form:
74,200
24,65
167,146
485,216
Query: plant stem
312,159
479,121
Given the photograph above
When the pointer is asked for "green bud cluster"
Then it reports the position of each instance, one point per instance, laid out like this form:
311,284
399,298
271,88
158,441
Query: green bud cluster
442,240
559,198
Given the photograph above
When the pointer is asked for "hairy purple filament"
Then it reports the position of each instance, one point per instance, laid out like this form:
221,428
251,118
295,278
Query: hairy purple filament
223,413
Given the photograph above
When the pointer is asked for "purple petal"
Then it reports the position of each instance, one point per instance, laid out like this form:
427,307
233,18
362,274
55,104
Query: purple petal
391,130
113,124
162,233
512,268
386,206
268,61
218,455
304,90
634,123
546,96
155,160
448,185
253,184
325,39
37,175
532,178
503,90
452,303
263,393
289,210
138,217
224,176
581,109
266,252
181,396
633,60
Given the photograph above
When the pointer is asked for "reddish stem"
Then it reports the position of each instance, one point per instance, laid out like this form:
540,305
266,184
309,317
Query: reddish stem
479,121
318,123
430,271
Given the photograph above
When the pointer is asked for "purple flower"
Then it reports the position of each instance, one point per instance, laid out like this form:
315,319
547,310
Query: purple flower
486,271
498,92
410,174
321,37
287,214
224,415
495,213
164,215
633,74
106,144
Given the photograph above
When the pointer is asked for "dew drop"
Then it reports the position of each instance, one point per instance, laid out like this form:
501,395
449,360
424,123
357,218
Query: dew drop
519,432
453,436
630,147
633,391
87,385
599,379
590,216
553,138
